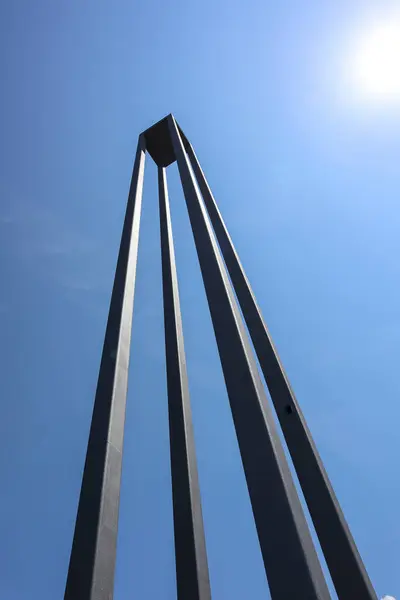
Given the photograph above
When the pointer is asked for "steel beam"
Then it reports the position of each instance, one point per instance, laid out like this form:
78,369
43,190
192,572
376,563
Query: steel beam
290,559
190,549
92,561
344,562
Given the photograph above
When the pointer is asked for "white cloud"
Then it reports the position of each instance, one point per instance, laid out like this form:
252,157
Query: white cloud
388,598
57,250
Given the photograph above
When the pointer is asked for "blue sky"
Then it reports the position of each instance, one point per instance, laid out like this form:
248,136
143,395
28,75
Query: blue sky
306,175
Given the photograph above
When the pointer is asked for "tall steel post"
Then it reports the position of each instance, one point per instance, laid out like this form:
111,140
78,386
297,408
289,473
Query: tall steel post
290,559
190,550
343,559
291,563
92,561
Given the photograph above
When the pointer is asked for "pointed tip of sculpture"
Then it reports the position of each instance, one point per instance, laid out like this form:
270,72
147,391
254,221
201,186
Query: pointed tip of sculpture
158,143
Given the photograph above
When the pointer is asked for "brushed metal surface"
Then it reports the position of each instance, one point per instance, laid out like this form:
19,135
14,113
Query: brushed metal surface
190,550
290,559
348,573
92,562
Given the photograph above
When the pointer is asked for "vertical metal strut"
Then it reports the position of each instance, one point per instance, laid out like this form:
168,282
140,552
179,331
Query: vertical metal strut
290,559
344,562
190,549
92,561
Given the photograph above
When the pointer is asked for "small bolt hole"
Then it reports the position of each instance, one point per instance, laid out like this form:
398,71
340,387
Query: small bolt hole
288,409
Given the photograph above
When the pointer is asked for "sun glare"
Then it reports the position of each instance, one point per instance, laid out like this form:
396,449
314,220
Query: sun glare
376,62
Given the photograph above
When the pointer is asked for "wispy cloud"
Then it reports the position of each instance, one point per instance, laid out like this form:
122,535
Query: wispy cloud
57,251
6,219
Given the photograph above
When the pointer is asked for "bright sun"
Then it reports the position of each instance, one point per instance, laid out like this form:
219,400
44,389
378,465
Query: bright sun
376,62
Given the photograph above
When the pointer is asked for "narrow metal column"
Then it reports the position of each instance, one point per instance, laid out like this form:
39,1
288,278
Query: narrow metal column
344,562
92,561
290,559
190,549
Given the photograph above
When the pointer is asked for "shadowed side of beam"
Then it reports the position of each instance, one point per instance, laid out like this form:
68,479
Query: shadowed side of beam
190,549
92,562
